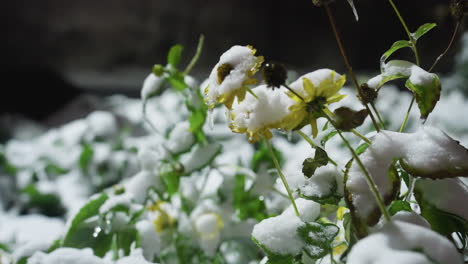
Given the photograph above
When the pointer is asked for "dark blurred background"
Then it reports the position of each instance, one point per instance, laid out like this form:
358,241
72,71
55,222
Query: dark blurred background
54,50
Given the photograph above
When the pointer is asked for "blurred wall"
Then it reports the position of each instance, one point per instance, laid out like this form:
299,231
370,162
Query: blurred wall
112,44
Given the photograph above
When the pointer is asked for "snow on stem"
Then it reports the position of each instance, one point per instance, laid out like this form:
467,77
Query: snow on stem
369,179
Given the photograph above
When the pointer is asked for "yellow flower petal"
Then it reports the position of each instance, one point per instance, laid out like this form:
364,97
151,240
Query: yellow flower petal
335,98
310,89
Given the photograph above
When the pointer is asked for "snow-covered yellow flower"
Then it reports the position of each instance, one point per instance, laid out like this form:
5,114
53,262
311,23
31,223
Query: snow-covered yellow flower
270,109
231,75
317,89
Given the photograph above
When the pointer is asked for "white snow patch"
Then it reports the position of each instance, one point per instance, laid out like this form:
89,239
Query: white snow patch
399,242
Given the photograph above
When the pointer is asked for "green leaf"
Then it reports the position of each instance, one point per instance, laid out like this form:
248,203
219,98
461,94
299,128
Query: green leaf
398,205
48,204
310,165
177,81
361,148
86,157
172,181
174,55
400,44
327,137
53,169
427,94
78,224
246,204
6,165
422,30
318,238
262,157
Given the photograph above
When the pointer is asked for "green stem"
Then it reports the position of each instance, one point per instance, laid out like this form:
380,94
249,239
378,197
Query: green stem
347,63
415,50
402,127
312,144
369,179
361,136
405,26
283,178
195,58
378,115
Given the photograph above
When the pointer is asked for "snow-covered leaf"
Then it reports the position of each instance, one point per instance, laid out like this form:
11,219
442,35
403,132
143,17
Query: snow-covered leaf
318,238
404,243
200,157
443,204
426,153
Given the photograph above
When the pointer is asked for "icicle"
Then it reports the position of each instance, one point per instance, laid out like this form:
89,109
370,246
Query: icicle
210,118
351,3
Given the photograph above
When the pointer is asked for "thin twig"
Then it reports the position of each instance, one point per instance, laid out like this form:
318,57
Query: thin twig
347,63
452,40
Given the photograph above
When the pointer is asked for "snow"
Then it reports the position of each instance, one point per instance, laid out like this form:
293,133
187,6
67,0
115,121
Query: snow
102,123
29,233
66,255
124,199
267,111
417,75
323,182
404,243
242,61
151,85
180,138
138,185
448,195
199,156
316,77
425,153
151,241
279,234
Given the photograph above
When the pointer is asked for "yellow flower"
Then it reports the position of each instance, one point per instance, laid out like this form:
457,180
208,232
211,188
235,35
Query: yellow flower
317,89
163,220
231,75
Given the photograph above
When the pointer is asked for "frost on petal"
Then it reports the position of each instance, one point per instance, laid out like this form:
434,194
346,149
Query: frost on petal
228,78
426,153
270,110
404,243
